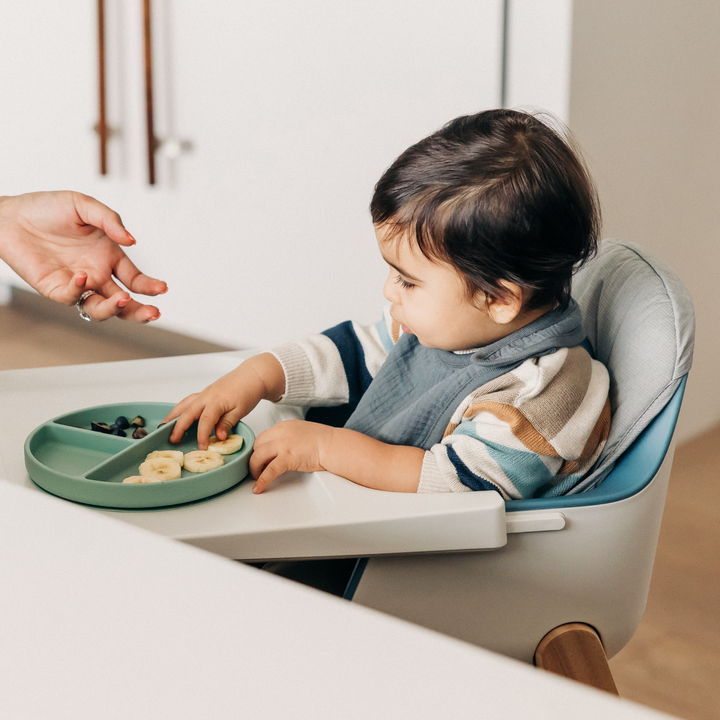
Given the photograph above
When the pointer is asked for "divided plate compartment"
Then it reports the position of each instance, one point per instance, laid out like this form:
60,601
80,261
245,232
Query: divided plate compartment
68,459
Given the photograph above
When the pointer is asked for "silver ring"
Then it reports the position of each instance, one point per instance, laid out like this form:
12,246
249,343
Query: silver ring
79,304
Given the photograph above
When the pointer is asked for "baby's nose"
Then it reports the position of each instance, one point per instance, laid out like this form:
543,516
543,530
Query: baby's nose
390,290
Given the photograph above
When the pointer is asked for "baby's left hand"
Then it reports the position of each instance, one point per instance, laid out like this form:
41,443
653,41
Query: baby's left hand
289,445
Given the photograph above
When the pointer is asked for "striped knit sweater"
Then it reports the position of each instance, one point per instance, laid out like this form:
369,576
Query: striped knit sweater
532,432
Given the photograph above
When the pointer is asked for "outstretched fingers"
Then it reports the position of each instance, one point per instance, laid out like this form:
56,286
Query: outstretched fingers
100,308
108,301
135,280
139,313
131,310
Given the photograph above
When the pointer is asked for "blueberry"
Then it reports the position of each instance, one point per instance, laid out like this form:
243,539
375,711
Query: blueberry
122,422
138,421
115,430
100,427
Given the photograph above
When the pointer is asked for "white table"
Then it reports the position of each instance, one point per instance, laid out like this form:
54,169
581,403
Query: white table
99,619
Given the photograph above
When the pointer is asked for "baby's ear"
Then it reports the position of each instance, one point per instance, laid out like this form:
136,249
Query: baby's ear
505,309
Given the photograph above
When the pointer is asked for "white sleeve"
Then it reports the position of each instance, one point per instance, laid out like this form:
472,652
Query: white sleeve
336,366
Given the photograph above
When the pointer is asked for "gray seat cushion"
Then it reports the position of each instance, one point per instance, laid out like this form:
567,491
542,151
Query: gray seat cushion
640,321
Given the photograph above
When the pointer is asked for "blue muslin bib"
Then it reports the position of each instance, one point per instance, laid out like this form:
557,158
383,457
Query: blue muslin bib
412,398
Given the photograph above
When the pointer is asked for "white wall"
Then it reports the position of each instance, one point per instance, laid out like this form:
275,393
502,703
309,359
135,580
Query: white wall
293,111
539,47
233,225
644,104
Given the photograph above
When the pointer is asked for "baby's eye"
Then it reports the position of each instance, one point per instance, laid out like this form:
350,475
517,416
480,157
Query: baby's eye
400,280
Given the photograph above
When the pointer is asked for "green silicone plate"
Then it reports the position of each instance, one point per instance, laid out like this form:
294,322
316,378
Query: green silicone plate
66,458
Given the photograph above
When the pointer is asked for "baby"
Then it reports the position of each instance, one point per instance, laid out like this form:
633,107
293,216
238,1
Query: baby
477,377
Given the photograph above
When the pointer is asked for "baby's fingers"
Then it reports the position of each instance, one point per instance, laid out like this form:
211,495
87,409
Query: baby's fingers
227,422
179,408
276,467
211,416
184,420
265,464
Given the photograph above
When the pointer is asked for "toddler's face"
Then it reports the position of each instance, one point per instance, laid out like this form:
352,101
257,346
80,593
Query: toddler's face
429,299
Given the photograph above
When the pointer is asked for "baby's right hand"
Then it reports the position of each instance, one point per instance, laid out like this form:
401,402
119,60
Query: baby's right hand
221,405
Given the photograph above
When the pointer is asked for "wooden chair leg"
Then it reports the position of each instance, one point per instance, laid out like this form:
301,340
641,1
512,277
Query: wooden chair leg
576,652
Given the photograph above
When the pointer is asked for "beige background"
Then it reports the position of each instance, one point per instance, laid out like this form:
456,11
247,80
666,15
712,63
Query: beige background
645,106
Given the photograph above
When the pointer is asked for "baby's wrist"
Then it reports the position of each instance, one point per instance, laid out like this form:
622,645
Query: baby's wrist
272,375
327,439
265,374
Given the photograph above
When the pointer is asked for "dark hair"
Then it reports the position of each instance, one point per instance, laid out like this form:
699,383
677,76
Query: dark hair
500,196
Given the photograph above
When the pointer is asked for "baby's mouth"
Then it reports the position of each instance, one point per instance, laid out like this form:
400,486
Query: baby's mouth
404,328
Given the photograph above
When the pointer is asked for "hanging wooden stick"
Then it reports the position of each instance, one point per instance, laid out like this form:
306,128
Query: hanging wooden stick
151,142
101,127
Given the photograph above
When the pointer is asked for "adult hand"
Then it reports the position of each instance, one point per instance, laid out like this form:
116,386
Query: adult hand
64,243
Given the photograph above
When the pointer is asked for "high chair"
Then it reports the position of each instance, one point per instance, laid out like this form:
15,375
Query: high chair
569,587
562,582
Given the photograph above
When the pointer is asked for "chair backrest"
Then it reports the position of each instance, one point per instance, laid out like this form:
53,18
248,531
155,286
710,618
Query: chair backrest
596,569
640,321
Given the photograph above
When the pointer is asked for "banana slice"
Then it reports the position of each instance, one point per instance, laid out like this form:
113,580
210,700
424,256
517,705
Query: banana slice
203,460
159,469
176,455
226,447
134,479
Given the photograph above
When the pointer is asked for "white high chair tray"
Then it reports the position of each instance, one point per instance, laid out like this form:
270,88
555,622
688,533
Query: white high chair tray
300,515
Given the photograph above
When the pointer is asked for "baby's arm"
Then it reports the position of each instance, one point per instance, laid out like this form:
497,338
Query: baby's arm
221,405
336,366
310,447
